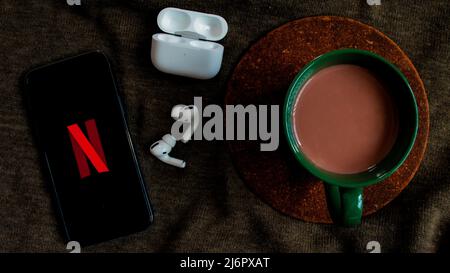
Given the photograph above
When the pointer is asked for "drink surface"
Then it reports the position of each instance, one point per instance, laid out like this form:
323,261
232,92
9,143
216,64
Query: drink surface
345,120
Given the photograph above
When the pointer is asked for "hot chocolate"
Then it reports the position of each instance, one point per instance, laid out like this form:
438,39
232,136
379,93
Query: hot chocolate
344,119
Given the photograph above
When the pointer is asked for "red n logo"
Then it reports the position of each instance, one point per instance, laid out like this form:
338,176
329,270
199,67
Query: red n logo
84,149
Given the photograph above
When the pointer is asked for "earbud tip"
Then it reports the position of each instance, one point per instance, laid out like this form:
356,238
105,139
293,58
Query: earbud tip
169,139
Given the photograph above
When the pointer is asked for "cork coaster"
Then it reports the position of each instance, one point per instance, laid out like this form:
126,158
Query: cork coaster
263,76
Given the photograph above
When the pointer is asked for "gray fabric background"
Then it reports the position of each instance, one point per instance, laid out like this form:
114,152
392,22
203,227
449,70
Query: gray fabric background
207,207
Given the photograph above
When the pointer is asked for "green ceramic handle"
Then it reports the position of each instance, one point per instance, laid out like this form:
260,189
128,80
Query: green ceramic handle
345,204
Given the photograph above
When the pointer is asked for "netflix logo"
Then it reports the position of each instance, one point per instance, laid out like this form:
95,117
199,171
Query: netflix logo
87,148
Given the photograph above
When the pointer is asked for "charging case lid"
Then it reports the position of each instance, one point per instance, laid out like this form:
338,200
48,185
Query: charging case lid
192,24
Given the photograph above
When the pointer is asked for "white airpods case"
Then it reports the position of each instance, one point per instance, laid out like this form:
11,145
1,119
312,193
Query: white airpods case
187,50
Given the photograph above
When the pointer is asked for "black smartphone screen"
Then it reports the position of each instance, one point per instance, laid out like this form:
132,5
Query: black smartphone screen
82,132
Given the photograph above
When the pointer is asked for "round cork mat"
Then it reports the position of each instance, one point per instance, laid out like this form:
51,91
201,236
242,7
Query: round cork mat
263,76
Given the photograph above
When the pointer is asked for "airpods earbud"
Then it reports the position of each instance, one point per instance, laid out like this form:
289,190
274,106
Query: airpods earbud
187,116
162,148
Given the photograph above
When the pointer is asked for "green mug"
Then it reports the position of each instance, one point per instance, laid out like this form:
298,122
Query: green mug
344,192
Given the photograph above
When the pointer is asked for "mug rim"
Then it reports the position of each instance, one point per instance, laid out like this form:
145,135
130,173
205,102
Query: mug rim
293,144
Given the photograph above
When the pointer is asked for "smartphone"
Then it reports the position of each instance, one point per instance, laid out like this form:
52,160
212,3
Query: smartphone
82,133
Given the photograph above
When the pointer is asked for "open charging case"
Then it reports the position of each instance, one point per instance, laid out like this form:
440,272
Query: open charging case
187,47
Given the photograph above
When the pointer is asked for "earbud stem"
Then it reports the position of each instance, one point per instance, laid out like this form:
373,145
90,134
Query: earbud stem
174,162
